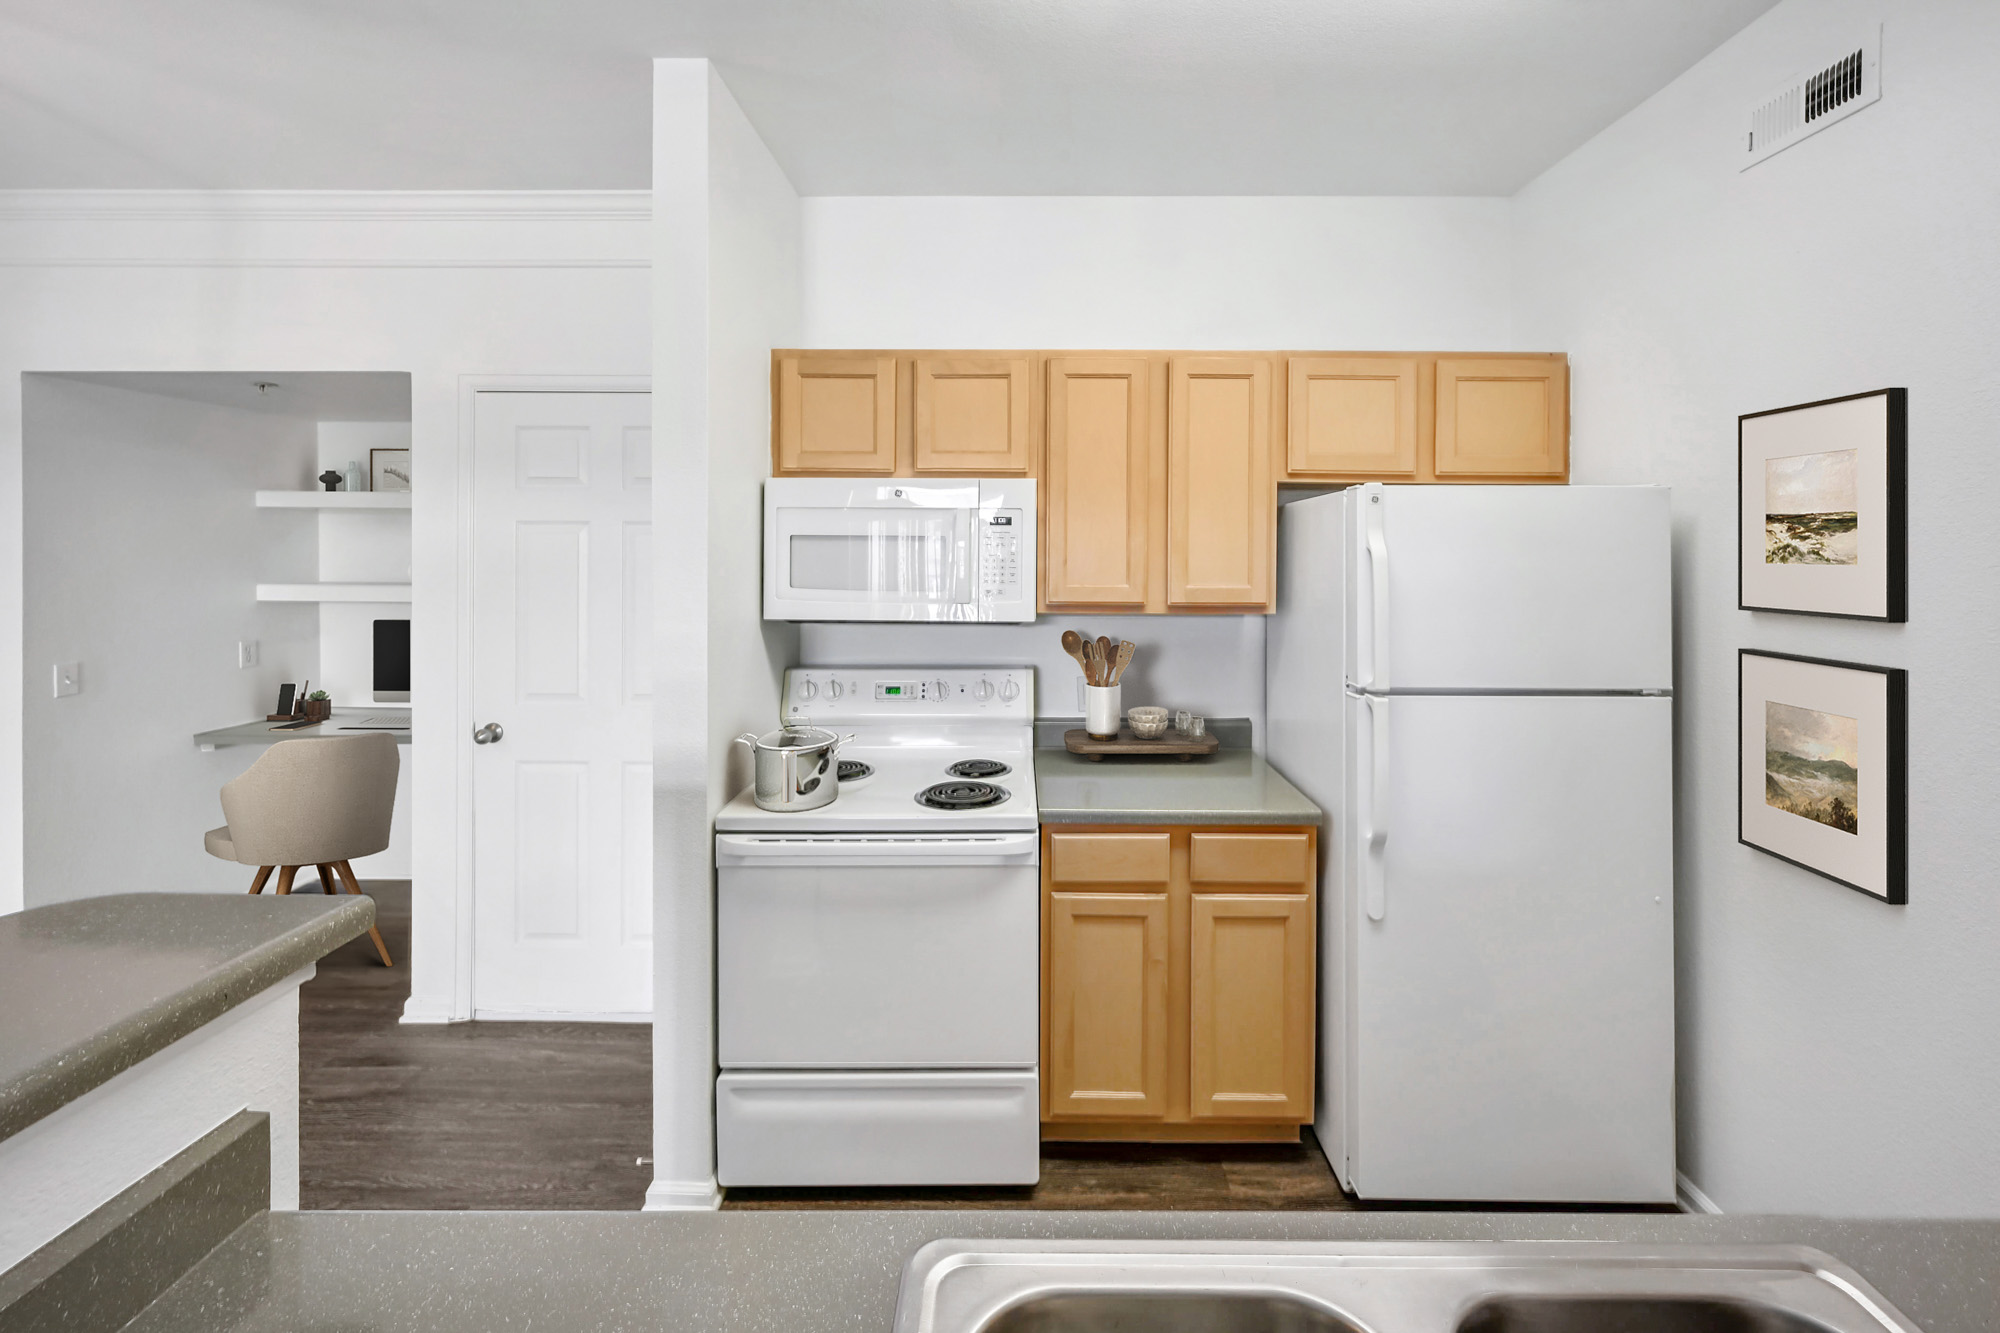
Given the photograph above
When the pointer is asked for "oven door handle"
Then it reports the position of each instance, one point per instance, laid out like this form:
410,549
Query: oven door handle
823,849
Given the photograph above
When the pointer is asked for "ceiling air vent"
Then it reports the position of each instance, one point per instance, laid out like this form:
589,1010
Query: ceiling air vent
1811,102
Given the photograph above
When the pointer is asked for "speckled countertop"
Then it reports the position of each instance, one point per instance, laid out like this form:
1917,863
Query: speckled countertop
820,1271
1232,786
92,987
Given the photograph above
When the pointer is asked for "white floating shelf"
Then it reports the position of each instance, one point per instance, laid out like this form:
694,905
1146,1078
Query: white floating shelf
333,499
333,592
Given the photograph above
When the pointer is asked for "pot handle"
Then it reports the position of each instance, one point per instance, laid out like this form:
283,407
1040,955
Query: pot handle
748,738
839,741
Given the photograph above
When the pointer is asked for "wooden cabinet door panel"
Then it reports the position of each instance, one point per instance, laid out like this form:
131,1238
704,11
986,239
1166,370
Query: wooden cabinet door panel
1095,497
1110,858
836,414
972,416
1250,981
1352,415
1251,858
1107,997
1502,417
1221,501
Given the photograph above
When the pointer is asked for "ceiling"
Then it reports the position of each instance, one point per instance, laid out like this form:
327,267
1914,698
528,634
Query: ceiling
853,96
324,395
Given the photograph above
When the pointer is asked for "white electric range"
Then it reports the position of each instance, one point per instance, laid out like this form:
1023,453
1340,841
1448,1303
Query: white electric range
878,958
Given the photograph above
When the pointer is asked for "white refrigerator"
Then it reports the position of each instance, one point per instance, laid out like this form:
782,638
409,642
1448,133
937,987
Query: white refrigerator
1474,682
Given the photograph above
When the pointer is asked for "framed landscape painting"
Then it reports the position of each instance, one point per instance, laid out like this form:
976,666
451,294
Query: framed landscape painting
1822,507
1823,779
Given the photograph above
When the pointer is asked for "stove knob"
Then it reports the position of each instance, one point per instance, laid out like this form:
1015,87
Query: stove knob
1009,691
943,689
833,689
983,691
807,689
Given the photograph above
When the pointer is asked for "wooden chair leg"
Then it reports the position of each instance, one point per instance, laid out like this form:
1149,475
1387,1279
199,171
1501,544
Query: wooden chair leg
263,873
285,875
354,886
326,884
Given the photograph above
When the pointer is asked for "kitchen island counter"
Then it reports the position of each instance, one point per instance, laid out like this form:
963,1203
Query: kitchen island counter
1232,786
822,1270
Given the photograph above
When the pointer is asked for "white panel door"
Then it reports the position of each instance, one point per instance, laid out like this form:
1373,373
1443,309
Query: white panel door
1512,1020
1512,587
561,666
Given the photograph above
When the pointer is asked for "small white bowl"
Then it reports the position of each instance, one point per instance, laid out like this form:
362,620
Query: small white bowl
1148,724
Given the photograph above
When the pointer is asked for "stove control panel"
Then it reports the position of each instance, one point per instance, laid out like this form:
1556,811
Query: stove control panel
862,694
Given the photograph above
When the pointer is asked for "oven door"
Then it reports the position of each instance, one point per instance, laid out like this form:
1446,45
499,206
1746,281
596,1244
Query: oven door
877,952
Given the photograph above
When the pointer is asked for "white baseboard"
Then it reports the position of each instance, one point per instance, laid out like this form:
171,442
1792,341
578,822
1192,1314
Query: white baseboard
666,1196
1692,1199
555,1016
426,1011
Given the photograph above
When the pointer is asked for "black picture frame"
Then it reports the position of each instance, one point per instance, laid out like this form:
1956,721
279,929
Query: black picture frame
1896,690
1895,519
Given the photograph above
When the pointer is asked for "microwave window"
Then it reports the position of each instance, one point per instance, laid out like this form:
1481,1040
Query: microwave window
890,565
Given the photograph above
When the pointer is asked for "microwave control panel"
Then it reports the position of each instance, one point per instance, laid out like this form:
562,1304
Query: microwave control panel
1000,555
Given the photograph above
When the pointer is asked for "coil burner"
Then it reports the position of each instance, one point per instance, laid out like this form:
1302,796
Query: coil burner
978,768
853,770
961,795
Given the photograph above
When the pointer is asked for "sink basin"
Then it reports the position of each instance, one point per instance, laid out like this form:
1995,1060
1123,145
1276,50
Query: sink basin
1132,1312
999,1286
1586,1314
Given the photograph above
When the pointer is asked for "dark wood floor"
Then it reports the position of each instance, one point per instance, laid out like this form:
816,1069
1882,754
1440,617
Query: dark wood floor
470,1115
559,1115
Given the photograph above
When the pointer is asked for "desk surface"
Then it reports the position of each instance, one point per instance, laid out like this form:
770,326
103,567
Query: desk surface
357,722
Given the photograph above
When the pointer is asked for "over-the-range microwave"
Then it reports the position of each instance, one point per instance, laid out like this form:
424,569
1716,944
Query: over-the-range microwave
899,549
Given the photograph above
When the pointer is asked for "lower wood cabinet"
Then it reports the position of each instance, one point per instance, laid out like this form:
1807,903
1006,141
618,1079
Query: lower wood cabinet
1178,982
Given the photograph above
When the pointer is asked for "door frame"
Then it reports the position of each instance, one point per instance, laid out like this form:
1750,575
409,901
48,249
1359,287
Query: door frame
459,714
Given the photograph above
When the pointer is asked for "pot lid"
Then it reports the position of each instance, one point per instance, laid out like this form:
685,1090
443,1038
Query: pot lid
796,738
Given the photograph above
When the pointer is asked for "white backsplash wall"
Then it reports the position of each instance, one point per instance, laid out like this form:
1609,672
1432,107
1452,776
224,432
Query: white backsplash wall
1213,665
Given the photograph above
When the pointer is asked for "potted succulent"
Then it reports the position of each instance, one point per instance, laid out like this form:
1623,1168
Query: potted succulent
318,706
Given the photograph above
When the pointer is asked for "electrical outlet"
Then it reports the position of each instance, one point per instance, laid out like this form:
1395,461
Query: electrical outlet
69,679
246,653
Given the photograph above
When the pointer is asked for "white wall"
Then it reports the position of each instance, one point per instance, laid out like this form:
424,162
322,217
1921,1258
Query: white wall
142,549
1157,273
363,546
726,247
1837,1054
1114,272
446,287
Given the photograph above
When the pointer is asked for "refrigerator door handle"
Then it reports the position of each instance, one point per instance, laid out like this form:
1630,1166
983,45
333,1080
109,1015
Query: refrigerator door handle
1374,868
1378,570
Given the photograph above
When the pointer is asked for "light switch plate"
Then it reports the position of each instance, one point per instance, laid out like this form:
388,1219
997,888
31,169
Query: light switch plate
69,678
246,653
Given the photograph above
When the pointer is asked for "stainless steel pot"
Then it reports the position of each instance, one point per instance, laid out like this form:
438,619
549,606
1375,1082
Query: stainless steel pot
796,767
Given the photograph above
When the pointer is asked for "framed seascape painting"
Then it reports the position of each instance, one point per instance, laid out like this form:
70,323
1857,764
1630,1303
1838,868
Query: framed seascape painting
1822,514
1823,780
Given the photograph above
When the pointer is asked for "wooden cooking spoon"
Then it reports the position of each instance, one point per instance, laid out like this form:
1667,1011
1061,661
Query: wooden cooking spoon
1105,652
1073,644
1125,650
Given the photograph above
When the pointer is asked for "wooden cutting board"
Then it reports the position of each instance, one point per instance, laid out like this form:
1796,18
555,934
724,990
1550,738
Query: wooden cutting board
1078,741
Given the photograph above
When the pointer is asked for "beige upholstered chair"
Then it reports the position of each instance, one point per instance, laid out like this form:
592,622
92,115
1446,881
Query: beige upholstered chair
311,803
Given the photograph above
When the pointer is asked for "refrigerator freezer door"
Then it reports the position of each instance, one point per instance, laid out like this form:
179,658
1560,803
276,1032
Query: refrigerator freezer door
1510,1015
1514,588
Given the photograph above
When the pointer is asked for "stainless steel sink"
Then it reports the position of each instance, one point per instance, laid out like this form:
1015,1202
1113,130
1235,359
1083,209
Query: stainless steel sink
953,1286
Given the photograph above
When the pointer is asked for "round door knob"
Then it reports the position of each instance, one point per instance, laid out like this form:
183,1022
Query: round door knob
983,691
807,689
1009,691
488,734
833,689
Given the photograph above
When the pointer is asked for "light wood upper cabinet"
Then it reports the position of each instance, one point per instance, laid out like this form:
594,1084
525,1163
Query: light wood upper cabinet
1502,417
835,414
1351,415
1250,1024
1221,502
973,416
1106,996
1095,499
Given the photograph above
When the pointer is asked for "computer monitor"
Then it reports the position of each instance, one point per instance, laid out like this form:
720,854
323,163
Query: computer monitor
392,661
